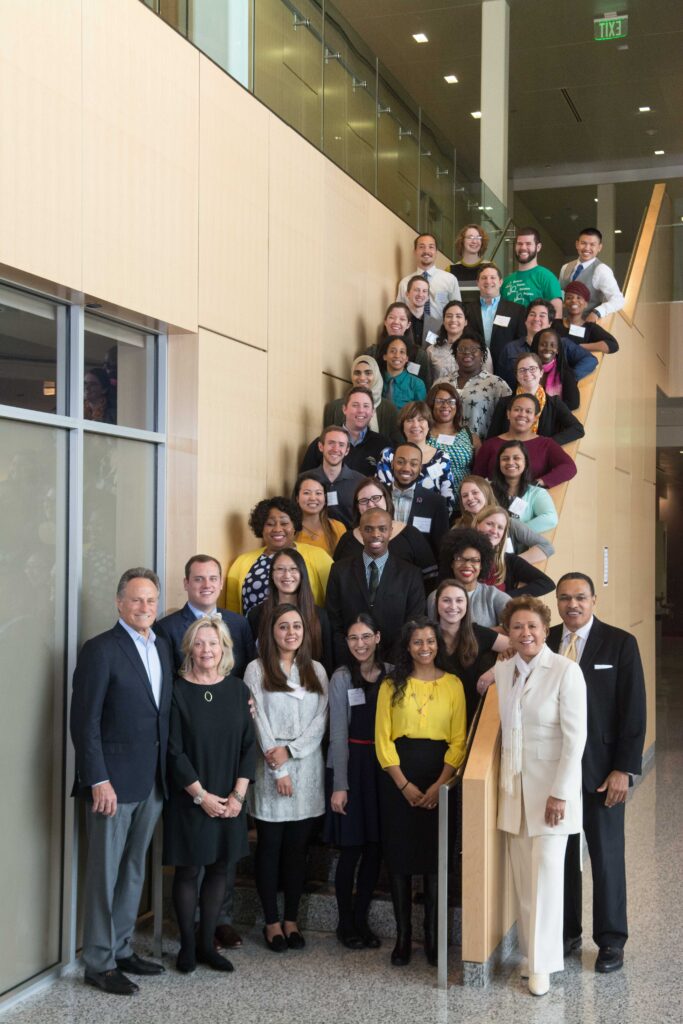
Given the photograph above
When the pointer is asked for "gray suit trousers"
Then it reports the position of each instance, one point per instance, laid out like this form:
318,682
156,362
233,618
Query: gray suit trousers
114,878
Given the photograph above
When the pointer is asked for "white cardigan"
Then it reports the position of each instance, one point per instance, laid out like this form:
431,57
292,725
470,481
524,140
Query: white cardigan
554,726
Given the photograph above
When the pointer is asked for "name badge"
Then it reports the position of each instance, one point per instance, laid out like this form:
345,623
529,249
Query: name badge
422,523
501,321
332,498
434,471
298,692
413,368
603,666
445,439
577,330
356,696
509,547
429,338
517,507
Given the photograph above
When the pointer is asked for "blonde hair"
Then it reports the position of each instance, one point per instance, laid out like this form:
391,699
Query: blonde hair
466,518
214,621
499,550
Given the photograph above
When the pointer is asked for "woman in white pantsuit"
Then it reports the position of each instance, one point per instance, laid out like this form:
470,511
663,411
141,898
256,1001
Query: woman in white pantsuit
542,700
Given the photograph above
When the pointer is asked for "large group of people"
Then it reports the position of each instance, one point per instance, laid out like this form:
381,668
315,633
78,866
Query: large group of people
397,582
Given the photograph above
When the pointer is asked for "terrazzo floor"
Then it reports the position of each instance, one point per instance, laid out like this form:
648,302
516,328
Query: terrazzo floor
325,983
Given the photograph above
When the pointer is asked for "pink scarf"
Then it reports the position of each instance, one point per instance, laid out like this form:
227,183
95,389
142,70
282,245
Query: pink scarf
552,383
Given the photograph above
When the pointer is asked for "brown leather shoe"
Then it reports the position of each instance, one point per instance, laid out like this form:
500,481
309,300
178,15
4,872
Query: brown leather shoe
226,937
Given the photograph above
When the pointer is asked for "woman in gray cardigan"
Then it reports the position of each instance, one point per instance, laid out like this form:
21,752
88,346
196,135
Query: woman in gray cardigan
352,772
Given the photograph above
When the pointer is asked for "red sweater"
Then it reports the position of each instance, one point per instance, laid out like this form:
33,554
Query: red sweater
547,460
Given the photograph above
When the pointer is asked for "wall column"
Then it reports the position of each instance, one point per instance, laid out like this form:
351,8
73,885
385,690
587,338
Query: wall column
606,221
495,49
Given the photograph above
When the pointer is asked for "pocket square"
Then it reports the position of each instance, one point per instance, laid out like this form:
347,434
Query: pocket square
603,666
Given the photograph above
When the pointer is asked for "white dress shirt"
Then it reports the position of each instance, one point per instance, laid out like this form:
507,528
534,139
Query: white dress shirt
581,638
604,282
443,288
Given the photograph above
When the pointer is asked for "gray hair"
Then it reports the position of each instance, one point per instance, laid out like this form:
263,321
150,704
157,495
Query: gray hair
213,621
139,573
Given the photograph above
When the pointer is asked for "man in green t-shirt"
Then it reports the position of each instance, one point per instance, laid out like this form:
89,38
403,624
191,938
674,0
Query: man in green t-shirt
530,281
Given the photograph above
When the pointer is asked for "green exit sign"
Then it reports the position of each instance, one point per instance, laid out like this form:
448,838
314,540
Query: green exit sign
610,26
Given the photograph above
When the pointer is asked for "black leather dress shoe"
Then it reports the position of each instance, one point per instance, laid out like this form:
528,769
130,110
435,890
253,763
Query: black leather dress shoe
370,940
609,959
350,939
113,982
402,952
136,965
571,943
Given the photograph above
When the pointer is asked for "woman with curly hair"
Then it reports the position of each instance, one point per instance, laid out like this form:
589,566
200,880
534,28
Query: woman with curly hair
275,521
448,433
420,734
466,555
471,244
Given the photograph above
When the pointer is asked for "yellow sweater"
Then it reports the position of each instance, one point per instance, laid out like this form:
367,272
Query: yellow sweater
318,563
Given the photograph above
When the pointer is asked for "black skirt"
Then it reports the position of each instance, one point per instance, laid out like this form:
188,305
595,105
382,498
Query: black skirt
360,824
410,835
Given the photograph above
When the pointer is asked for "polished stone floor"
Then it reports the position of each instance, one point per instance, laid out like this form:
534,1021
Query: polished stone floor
325,984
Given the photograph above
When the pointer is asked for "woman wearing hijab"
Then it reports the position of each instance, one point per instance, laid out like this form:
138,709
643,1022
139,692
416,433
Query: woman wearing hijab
365,373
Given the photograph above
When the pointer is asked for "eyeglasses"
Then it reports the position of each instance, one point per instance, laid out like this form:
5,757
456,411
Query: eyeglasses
374,499
445,401
459,560
467,351
286,572
363,638
473,238
525,371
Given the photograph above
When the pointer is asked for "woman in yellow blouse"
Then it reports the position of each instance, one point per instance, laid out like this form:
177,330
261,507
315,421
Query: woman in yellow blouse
420,733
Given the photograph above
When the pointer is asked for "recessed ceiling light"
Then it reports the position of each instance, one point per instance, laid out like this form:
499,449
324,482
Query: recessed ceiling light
617,231
451,79
420,37
476,114
595,199
659,152
644,110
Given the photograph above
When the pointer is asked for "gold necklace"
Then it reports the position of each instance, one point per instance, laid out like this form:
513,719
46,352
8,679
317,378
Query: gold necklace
420,708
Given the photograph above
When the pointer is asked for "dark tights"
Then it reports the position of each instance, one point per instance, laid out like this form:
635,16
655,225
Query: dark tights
281,851
354,914
210,899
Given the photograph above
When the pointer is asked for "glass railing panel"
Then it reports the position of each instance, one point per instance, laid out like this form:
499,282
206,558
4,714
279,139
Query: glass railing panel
437,170
398,157
349,114
287,74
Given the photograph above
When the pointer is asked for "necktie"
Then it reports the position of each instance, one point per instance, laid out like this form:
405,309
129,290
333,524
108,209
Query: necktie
427,309
570,647
577,270
374,581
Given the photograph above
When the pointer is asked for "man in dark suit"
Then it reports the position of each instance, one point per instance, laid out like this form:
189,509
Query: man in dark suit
414,503
203,582
375,581
611,665
120,713
497,320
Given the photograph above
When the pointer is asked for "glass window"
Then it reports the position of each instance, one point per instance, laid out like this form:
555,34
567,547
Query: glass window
119,374
119,492
32,352
33,495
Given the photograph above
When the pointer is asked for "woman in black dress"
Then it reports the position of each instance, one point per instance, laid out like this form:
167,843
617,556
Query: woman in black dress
211,760
469,650
352,774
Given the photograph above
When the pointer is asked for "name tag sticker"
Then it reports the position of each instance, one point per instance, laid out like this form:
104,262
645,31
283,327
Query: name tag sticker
509,547
298,692
434,471
517,507
429,338
356,696
501,321
422,523
445,439
577,330
413,368
332,498
603,666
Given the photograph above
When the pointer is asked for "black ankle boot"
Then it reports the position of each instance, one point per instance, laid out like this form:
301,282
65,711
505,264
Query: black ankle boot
402,898
431,919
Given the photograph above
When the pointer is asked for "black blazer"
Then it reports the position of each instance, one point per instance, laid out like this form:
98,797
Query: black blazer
500,336
400,596
521,577
175,625
430,505
117,729
615,685
555,421
362,457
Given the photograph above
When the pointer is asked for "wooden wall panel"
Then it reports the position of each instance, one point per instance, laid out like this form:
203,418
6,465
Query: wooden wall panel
140,163
295,308
233,209
40,139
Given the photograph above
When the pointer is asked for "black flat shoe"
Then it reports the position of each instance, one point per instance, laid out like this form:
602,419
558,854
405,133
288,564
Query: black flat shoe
401,953
114,982
278,943
212,959
610,958
295,940
370,940
186,962
350,939
136,965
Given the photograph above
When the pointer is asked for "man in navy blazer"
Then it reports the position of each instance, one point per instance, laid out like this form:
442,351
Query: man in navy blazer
611,665
203,582
376,582
120,712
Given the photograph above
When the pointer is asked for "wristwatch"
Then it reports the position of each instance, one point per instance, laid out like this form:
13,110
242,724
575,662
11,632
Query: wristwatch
199,797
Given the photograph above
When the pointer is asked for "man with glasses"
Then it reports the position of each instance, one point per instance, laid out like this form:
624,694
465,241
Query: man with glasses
339,481
498,321
374,581
610,662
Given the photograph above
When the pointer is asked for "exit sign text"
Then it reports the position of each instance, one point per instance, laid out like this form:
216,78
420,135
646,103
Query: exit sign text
610,27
